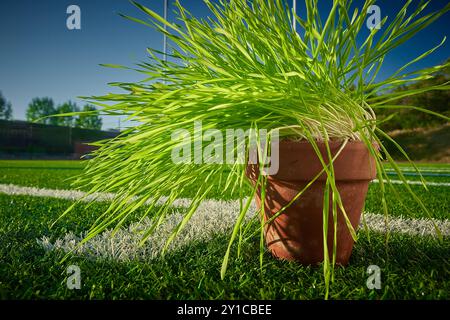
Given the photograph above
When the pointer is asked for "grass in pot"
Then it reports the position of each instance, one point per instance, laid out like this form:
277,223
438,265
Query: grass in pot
313,91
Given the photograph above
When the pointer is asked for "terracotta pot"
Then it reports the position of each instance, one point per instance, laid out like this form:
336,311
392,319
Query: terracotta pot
297,234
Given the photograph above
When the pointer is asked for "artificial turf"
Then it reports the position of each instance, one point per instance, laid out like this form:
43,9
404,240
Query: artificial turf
413,267
42,174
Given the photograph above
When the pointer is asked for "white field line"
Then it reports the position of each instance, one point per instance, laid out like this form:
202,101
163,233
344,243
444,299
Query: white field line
416,182
211,217
421,169
12,189
73,195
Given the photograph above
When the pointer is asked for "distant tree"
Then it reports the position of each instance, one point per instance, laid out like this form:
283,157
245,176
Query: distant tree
39,108
89,120
5,108
66,107
437,101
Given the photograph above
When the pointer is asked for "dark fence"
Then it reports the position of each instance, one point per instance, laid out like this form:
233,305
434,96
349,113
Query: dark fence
25,140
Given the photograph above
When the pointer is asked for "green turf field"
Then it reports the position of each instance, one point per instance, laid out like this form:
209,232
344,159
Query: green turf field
413,266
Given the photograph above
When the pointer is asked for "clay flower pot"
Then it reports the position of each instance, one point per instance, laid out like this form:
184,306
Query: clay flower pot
297,233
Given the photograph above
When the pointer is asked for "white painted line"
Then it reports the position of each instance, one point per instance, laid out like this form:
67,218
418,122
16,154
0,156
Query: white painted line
417,227
413,182
423,173
14,190
211,218
73,195
421,169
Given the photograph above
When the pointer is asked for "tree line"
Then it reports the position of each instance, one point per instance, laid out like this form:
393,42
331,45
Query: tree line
436,101
39,110
5,108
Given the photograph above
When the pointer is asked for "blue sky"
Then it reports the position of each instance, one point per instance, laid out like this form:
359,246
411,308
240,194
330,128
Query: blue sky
40,57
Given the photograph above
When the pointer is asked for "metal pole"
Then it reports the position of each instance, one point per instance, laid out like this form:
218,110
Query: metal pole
294,10
166,6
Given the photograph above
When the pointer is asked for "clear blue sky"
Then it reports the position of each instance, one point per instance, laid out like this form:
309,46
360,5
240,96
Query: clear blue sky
40,57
